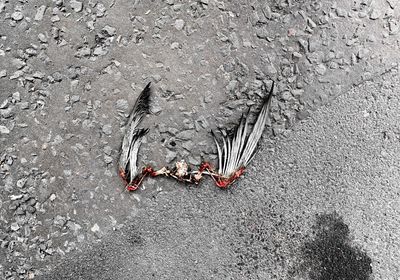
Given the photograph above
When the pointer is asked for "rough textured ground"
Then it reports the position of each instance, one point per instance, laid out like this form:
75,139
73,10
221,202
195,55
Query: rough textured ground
321,203
69,74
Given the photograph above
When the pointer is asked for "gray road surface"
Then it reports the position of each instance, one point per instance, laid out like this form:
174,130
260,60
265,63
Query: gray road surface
323,197
325,177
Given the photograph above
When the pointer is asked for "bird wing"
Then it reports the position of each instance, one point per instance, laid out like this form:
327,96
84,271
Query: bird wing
234,154
134,136
239,150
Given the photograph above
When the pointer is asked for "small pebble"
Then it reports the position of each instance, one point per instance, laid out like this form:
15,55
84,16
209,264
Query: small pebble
76,5
83,51
107,150
179,24
16,197
375,14
109,30
340,12
320,69
174,45
362,53
171,155
108,159
40,13
75,98
100,51
17,16
24,105
4,130
185,135
42,38
100,10
16,96
14,227
55,18
95,228
107,129
155,109
286,95
4,104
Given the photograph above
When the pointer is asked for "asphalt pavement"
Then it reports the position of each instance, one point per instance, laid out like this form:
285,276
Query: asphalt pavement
320,202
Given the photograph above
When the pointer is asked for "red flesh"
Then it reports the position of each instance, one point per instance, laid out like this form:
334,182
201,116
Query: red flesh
223,183
205,166
134,185
148,170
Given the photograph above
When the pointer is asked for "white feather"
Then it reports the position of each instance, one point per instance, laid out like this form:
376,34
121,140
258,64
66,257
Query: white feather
239,150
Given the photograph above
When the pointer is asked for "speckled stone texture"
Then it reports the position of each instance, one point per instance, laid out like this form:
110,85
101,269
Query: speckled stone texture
70,71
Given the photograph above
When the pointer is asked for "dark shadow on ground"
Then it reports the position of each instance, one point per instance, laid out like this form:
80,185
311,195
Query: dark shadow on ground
330,256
